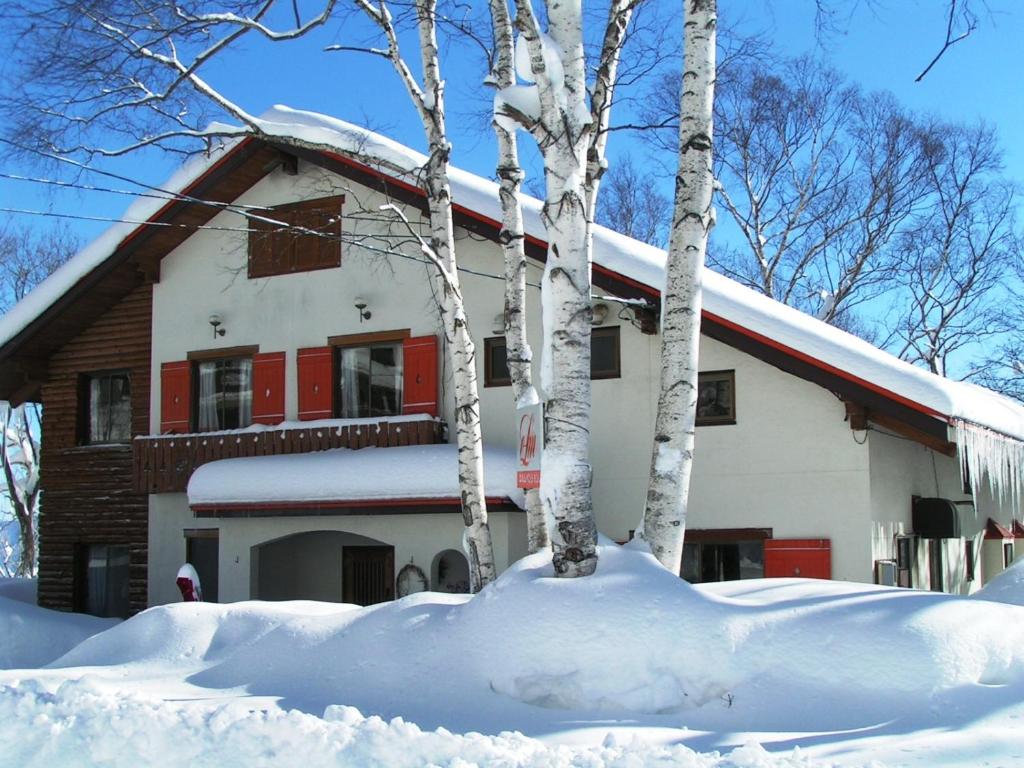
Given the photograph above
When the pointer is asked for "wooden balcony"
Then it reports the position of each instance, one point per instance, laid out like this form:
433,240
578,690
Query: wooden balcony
164,464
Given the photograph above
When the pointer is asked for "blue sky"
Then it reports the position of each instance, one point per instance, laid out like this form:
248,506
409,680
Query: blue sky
881,44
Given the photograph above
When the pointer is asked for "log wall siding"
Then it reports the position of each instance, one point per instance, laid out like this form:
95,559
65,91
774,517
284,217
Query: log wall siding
89,494
164,464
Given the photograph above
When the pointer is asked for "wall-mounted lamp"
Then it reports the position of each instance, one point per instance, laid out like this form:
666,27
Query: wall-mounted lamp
599,314
217,321
498,326
364,313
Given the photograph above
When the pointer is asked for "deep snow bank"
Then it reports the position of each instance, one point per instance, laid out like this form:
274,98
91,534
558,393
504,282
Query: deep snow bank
631,638
83,725
31,636
1007,587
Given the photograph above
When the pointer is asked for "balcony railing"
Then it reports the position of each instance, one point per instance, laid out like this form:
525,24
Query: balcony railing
164,463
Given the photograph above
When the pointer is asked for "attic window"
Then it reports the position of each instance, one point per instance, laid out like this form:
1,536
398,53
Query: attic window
300,237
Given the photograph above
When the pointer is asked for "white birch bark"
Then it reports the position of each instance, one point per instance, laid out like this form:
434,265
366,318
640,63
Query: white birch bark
429,103
664,522
513,243
563,132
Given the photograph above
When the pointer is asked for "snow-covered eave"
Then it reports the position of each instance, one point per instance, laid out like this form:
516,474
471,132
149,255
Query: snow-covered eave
80,271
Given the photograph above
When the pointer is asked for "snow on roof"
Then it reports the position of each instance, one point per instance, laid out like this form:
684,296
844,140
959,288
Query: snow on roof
635,260
343,475
722,296
95,253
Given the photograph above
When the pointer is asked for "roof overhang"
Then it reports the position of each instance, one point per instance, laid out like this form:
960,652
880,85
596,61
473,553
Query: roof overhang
335,507
137,258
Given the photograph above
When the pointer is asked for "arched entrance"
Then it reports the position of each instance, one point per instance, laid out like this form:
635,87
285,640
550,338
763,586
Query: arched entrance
332,566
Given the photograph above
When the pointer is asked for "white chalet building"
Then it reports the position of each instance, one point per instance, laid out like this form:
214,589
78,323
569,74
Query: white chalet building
201,384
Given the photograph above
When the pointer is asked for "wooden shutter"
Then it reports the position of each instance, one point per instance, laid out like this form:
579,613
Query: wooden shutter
176,397
316,383
420,386
268,388
803,558
276,250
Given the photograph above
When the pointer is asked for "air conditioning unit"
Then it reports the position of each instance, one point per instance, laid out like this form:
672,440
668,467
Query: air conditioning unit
936,519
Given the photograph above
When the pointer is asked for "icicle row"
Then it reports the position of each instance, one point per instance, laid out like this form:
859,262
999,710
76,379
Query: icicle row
1000,458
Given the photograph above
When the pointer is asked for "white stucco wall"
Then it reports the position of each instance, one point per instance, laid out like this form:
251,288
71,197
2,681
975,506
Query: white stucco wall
790,463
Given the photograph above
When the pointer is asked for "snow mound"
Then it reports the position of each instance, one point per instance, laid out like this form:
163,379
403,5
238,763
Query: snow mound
634,638
31,636
190,632
1007,587
80,724
22,590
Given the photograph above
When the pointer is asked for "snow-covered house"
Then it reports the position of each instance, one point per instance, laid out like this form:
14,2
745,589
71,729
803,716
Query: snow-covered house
194,377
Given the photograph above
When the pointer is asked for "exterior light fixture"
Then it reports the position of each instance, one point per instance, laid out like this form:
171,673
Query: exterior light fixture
599,314
364,313
217,321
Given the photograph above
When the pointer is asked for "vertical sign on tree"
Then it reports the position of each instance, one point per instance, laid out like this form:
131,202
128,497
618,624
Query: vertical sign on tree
531,444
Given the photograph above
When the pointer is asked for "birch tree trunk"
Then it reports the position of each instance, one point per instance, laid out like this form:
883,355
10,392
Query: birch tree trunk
664,522
430,104
564,132
20,461
513,242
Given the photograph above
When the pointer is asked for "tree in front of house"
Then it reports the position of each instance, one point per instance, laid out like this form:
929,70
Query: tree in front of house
108,79
664,521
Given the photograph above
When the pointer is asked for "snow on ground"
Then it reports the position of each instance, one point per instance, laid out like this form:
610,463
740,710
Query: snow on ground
630,667
1007,587
31,636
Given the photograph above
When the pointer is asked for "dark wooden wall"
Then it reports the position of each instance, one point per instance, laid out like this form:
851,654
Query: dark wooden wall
89,496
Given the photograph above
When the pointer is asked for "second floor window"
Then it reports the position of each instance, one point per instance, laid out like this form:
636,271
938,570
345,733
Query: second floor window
224,394
369,380
109,407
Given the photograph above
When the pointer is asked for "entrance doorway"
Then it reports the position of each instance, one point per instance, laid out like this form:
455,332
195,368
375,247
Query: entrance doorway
368,575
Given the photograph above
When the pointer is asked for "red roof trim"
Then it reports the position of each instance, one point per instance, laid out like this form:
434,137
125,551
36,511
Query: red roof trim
888,393
343,503
994,530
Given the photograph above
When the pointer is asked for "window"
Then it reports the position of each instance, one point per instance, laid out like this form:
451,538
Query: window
604,353
103,580
969,559
223,393
108,405
716,398
309,239
496,373
369,380
1007,554
723,555
605,361
202,553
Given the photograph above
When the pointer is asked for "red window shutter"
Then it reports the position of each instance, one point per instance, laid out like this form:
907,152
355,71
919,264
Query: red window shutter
268,388
419,386
803,558
176,397
316,383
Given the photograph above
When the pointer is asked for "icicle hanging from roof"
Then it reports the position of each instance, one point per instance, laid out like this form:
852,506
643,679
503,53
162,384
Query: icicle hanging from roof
1000,458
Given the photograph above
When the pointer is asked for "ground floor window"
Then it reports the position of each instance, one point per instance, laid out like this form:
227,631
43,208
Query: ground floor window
1007,554
103,580
202,547
725,555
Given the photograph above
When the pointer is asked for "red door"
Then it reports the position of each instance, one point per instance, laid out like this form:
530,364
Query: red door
802,558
